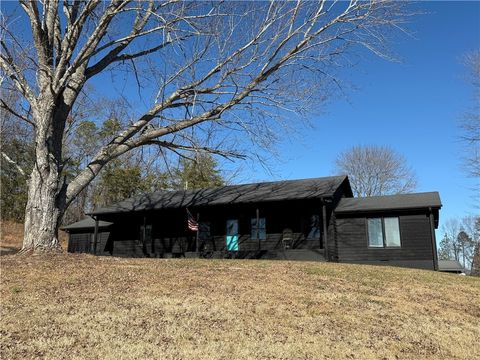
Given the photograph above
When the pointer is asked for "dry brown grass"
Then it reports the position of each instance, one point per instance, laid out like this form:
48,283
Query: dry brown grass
85,307
11,237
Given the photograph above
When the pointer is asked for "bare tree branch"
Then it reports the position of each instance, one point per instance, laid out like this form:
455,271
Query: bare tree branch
13,112
209,69
10,161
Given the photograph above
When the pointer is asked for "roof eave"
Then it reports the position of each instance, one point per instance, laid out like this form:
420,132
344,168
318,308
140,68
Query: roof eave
416,208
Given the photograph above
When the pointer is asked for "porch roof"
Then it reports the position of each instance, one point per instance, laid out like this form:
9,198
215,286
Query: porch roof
86,223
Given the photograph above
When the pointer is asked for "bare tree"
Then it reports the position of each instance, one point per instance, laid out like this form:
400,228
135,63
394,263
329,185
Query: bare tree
470,122
376,170
475,270
16,159
206,67
470,242
450,246
461,240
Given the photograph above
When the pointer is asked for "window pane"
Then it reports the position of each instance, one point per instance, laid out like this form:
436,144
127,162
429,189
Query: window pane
375,236
261,229
314,228
232,235
253,228
392,232
232,227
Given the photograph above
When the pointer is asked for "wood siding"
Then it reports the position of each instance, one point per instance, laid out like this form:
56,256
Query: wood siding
81,241
171,236
415,236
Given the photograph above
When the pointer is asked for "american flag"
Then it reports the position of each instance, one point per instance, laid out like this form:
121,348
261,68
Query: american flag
192,224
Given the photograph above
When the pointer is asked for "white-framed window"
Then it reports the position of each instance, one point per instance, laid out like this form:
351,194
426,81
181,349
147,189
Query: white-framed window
383,232
258,231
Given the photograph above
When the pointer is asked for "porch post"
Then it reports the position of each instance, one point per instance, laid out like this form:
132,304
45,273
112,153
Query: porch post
144,235
434,240
325,229
257,230
95,236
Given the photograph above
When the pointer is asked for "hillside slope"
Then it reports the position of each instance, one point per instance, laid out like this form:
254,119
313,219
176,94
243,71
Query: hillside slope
85,307
11,237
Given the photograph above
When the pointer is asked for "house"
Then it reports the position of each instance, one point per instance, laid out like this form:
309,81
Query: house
310,219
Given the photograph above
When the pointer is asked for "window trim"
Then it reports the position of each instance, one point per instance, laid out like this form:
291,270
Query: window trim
382,218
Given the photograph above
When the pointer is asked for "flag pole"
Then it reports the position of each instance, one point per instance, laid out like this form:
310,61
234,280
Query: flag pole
198,229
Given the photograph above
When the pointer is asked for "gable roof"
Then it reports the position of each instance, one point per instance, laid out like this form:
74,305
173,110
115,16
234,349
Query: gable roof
390,202
87,223
233,194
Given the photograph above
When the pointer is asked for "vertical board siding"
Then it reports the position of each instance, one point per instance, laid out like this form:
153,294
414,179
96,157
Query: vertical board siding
102,241
80,242
170,234
415,236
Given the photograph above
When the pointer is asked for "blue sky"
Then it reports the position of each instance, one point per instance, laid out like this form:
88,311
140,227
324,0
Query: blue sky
413,106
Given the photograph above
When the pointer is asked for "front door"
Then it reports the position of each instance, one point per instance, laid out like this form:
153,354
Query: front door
232,235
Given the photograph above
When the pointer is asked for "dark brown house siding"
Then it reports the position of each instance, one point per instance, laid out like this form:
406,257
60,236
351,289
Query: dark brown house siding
82,241
415,236
171,235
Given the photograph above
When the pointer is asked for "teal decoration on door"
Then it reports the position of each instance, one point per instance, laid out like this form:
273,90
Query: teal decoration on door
232,235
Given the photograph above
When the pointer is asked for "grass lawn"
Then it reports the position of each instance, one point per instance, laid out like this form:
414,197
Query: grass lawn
86,307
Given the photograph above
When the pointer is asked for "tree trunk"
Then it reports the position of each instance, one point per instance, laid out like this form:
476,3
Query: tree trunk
43,212
46,190
475,270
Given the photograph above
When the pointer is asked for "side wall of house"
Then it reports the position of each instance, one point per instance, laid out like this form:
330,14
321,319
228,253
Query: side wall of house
415,235
81,241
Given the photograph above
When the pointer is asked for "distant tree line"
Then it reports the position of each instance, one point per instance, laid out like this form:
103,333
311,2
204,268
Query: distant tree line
461,242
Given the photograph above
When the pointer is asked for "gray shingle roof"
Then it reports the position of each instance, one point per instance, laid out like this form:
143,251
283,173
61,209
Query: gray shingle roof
390,202
233,194
86,223
450,265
